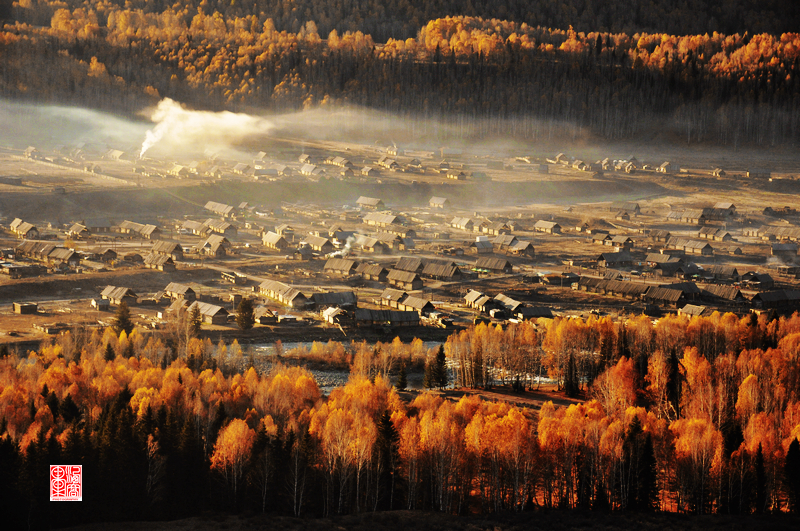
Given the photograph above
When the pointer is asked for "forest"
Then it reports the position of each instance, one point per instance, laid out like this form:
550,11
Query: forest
511,72
697,415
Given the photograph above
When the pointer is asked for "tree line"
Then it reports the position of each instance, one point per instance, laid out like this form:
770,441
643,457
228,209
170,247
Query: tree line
481,76
401,19
688,415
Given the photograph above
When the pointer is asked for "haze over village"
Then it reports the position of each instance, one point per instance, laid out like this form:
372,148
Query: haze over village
430,266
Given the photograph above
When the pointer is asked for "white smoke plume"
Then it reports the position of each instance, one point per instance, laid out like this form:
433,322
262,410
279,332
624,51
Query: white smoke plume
181,129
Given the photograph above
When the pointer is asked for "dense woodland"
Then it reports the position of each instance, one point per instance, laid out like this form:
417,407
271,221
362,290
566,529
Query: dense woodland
694,416
511,75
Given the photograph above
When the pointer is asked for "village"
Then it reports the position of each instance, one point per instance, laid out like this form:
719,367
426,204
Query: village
442,249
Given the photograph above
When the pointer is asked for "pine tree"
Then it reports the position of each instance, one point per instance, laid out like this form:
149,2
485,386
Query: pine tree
122,320
195,323
428,378
110,354
440,374
245,316
761,482
791,469
402,379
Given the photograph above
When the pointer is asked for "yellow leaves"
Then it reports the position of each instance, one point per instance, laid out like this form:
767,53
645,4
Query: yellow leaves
143,398
748,400
233,446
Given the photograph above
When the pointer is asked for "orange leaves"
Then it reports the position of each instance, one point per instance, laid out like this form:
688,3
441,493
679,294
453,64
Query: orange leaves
615,389
232,450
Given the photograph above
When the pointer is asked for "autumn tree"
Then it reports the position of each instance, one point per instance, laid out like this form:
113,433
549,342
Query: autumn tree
232,452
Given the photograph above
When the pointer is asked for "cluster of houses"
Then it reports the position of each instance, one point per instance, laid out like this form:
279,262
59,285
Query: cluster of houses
504,307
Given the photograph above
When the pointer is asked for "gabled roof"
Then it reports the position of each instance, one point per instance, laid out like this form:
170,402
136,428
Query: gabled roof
317,241
271,238
344,298
389,316
371,269
402,276
116,293
340,264
436,201
381,218
161,246
369,201
408,263
390,294
207,309
493,264
507,302
440,270
156,259
473,296
417,303
219,208
176,287
505,240
542,224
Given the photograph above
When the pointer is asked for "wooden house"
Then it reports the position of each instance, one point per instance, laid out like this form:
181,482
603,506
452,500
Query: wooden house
161,262
340,266
439,202
24,230
367,317
210,313
319,244
118,295
221,209
391,297
272,240
370,203
283,293
172,249
548,227
405,280
495,265
373,272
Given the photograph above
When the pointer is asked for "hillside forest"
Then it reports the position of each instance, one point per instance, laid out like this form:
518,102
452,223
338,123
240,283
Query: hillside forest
687,72
697,415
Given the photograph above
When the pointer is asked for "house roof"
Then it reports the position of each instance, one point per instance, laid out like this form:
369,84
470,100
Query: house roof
206,309
507,302
693,310
369,201
176,287
221,208
391,316
371,269
340,264
440,270
161,246
542,224
391,294
343,298
505,240
730,293
493,264
417,303
317,241
438,200
117,292
402,276
272,238
408,263
156,259
381,218
473,296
